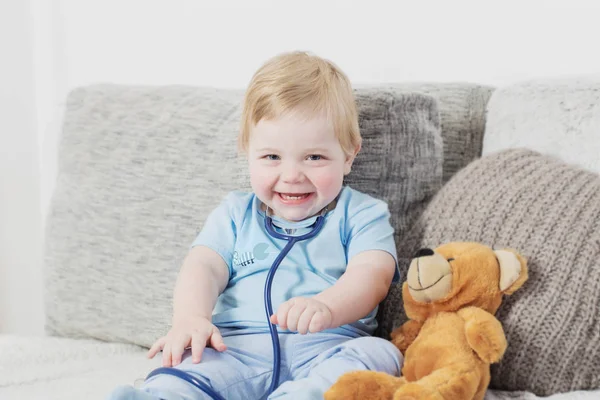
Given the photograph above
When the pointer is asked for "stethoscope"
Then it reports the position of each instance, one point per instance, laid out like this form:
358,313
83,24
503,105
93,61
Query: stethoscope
291,240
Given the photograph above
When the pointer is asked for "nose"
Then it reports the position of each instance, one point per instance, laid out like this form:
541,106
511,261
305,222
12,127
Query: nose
292,173
424,253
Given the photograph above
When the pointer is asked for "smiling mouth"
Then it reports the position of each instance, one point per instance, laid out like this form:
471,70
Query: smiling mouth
430,286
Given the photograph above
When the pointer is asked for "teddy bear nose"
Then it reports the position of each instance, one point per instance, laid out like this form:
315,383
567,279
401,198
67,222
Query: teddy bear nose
424,252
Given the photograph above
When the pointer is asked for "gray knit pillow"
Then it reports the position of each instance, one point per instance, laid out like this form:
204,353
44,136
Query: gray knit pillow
550,212
139,170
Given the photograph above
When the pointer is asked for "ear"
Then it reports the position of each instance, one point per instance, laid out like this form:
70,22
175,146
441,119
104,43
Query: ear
350,159
513,270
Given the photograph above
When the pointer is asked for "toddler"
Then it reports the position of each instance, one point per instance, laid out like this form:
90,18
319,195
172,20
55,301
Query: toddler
300,133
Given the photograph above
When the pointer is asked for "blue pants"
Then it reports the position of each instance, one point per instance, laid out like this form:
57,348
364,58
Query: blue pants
310,364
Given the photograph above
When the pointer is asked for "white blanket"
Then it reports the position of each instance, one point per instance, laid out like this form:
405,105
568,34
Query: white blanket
47,368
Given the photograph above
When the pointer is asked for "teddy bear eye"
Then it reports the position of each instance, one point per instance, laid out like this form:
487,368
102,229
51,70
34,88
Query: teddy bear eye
450,259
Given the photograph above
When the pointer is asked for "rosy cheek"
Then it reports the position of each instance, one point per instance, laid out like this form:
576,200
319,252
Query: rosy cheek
327,180
261,177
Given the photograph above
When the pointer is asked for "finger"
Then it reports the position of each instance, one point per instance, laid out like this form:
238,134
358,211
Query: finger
178,346
273,319
304,321
282,313
156,347
216,341
166,358
294,316
198,345
317,323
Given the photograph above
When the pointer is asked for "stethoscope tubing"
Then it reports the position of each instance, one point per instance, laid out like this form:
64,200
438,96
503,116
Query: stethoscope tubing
291,240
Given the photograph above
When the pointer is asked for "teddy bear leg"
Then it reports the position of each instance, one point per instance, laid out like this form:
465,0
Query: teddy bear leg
364,385
449,383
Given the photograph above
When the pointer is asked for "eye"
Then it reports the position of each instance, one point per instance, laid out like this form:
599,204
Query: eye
272,157
315,157
450,259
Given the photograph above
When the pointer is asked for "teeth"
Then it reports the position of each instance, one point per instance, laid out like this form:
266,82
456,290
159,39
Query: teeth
287,197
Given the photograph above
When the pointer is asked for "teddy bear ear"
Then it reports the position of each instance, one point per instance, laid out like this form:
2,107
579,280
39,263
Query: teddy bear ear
513,270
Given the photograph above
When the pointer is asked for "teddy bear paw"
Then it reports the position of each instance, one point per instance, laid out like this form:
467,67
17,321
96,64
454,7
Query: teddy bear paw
414,391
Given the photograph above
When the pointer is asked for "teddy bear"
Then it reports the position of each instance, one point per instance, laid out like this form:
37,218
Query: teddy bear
451,337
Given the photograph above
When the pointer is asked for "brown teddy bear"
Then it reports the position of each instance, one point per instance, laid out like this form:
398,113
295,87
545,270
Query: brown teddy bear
451,338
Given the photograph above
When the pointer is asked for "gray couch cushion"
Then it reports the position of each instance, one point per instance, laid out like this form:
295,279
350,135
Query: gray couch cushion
462,109
139,170
401,159
550,212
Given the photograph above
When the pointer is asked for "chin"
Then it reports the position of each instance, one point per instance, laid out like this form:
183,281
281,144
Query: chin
293,216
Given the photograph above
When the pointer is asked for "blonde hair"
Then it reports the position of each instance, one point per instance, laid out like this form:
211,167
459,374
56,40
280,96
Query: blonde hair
301,82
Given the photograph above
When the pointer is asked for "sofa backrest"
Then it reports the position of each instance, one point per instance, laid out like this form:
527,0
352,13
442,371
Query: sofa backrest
141,167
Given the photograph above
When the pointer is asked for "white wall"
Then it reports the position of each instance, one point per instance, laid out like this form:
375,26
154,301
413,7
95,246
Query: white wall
78,42
20,214
221,43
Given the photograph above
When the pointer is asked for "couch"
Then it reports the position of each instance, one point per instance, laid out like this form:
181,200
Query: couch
140,168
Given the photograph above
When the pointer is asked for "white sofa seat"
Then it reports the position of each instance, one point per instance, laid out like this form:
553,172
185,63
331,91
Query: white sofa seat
50,368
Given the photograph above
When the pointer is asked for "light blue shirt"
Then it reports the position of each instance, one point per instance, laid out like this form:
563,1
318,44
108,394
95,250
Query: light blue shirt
236,230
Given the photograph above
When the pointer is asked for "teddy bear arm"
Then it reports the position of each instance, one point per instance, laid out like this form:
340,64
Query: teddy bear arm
403,336
484,334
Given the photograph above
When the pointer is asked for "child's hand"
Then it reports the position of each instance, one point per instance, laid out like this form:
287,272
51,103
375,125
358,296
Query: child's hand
194,332
303,315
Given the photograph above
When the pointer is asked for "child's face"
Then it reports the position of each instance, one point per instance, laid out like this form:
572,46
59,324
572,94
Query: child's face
297,165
